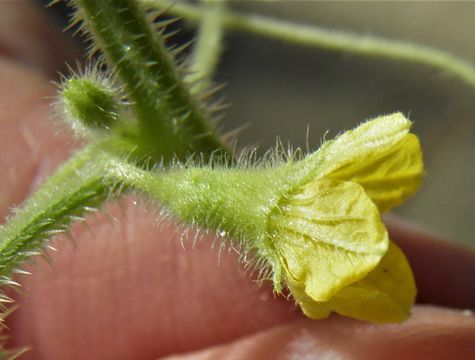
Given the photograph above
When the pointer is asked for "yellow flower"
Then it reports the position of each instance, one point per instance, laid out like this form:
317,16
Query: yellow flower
327,233
316,222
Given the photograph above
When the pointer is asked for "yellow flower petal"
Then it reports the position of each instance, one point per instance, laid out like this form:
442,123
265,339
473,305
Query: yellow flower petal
380,155
357,145
385,295
327,234
389,177
311,308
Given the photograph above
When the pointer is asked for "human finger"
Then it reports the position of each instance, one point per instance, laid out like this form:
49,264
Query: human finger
431,333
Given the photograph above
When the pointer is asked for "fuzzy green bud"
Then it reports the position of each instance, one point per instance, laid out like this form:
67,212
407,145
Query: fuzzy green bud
89,104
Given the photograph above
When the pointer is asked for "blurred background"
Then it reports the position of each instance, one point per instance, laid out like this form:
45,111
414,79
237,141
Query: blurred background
278,90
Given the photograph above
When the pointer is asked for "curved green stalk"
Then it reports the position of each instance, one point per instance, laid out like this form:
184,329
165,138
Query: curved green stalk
64,198
168,116
76,188
336,40
206,52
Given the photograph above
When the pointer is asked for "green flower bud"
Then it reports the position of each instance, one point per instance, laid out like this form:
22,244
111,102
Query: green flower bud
89,104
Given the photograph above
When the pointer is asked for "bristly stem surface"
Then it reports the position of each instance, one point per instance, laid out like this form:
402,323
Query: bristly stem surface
169,118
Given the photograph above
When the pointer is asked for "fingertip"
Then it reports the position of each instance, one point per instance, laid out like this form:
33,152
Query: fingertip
431,333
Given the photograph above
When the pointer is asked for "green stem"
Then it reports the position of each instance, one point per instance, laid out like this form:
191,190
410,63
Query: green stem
207,50
235,202
336,40
68,194
169,117
91,176
76,187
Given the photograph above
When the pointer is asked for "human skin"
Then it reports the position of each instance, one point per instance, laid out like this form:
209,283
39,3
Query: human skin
128,289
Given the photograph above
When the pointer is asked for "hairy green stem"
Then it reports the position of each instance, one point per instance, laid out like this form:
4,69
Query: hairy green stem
77,187
168,116
207,196
61,200
96,173
208,46
335,40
